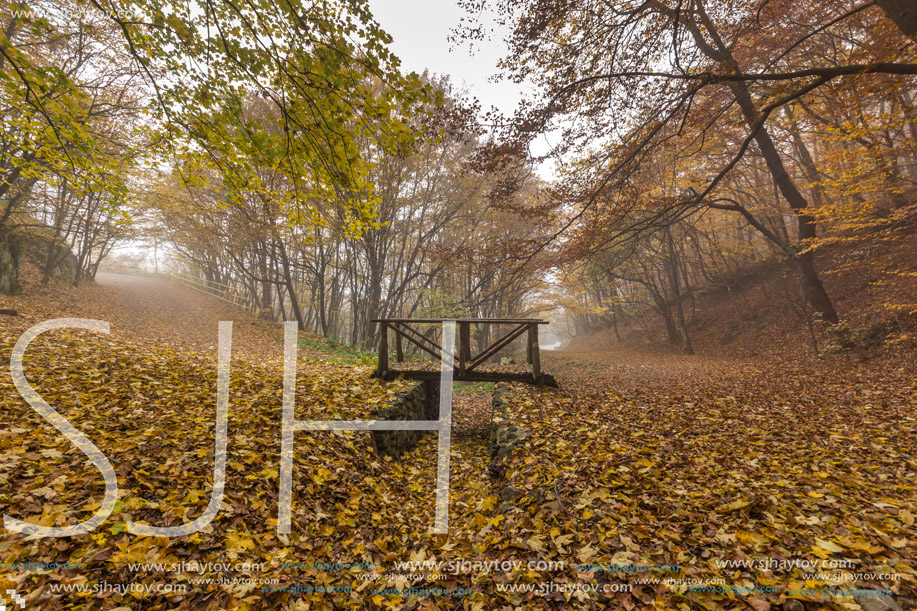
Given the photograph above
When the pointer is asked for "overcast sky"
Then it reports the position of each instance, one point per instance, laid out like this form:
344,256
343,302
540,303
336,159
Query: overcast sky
421,29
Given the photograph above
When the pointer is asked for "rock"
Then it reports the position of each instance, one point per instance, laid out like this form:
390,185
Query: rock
793,605
879,602
10,259
497,469
510,493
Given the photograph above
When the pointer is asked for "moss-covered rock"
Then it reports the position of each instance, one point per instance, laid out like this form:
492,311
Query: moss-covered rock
10,260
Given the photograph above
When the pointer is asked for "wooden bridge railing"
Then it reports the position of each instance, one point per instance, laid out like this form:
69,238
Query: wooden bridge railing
466,363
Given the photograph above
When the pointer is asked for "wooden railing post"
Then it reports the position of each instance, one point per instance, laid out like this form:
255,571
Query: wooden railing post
528,344
383,349
464,346
399,350
536,351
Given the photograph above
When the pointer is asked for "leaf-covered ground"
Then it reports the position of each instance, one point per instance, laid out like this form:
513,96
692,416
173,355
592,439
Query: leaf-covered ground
690,464
669,461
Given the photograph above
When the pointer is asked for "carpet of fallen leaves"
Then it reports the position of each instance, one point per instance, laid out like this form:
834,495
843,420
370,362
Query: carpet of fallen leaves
658,462
697,463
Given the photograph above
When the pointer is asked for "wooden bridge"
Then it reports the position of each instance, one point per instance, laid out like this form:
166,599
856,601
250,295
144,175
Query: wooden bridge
466,364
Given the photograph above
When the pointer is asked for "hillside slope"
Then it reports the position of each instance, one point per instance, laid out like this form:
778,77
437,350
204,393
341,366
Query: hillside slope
874,288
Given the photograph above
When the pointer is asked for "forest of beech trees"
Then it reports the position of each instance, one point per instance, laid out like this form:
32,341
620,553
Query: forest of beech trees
228,226
438,243
769,131
313,180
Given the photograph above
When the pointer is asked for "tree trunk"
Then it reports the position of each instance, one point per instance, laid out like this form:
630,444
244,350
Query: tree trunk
266,309
805,263
903,13
614,322
288,280
671,329
686,346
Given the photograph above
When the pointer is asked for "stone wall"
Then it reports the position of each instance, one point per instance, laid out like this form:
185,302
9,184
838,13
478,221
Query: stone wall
504,434
421,402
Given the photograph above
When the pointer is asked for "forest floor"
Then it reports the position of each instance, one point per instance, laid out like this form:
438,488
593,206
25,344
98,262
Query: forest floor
651,481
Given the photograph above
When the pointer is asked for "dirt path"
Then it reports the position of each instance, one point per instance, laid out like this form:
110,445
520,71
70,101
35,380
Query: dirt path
158,309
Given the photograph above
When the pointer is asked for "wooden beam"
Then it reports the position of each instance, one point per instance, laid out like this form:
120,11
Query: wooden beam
408,328
399,349
403,332
536,352
474,376
7,312
497,321
528,346
464,345
497,346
